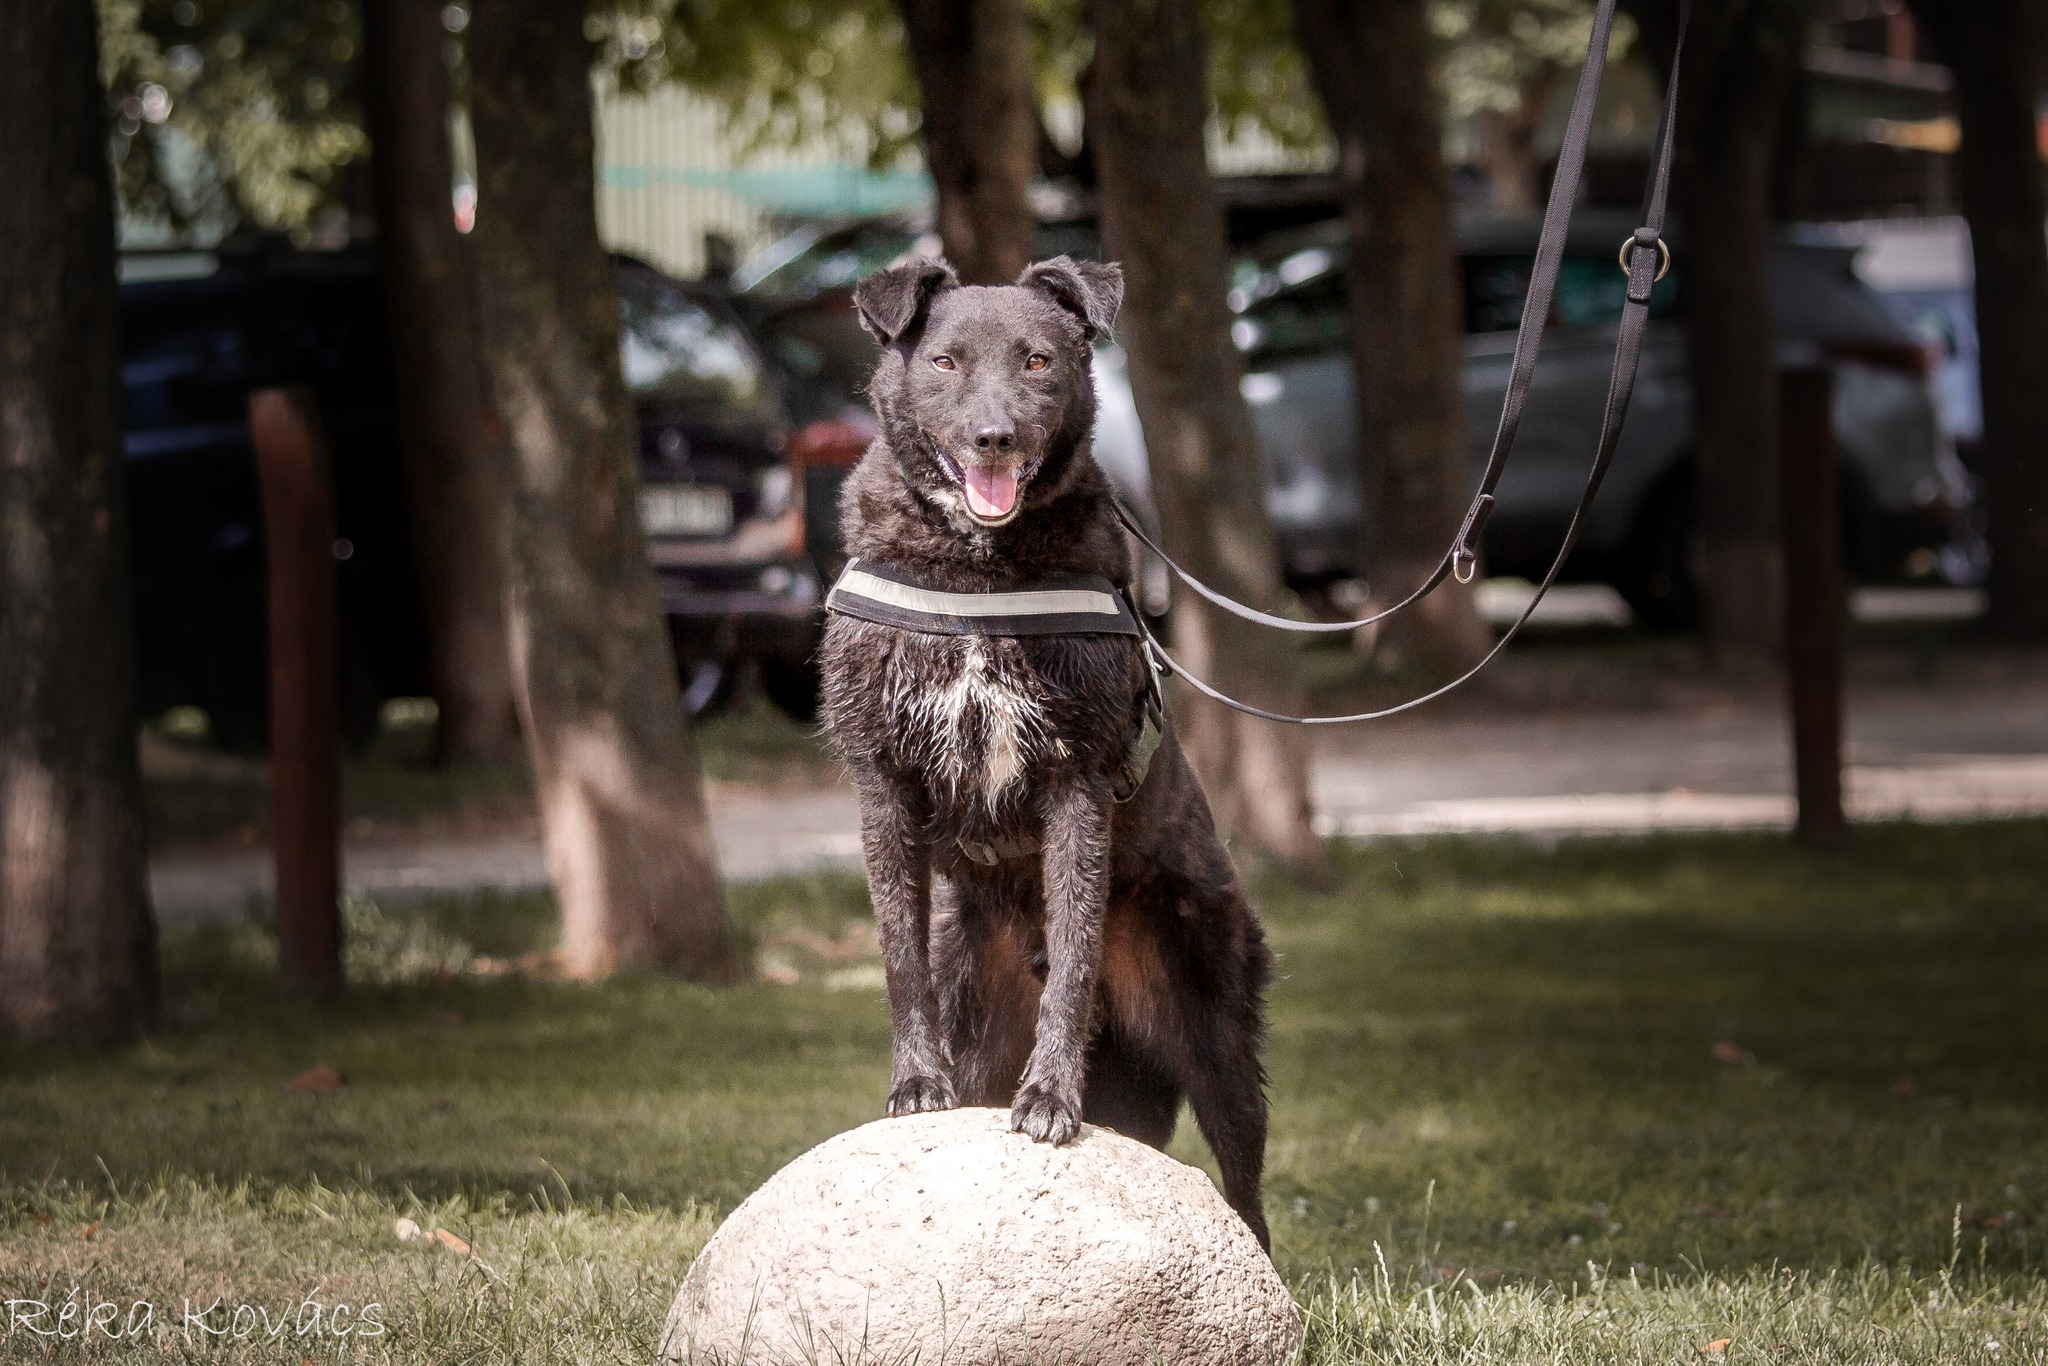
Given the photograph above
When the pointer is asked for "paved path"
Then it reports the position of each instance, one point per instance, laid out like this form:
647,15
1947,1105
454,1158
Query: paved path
1909,757
1952,753
758,833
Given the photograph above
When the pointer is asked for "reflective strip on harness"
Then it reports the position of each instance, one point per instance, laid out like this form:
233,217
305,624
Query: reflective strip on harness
1072,605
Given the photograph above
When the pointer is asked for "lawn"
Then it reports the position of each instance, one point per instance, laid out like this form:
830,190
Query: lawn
192,792
1603,1102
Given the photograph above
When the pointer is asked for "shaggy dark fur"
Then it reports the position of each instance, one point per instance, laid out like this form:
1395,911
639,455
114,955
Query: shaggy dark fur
1117,969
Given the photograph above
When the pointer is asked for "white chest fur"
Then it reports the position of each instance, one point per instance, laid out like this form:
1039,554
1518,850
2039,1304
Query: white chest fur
975,721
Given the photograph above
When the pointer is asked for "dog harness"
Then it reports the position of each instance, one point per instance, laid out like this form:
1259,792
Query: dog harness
1065,605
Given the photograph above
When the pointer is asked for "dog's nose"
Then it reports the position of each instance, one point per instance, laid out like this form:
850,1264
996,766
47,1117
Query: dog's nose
995,439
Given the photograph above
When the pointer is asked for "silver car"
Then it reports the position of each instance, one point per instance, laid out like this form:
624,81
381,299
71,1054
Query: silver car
1906,497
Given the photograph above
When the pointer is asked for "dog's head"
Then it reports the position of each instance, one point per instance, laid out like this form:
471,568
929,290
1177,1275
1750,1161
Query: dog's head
985,393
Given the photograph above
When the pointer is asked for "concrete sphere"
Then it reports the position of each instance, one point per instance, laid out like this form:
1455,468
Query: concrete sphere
945,1237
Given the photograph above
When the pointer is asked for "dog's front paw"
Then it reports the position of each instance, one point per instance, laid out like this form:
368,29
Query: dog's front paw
1045,1115
918,1095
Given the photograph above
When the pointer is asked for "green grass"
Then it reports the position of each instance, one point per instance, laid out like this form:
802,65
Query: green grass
1500,1128
192,792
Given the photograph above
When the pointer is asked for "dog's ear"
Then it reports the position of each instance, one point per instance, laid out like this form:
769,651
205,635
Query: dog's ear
893,302
1091,291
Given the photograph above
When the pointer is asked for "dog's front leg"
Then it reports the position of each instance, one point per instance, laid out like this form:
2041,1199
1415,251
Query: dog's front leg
892,834
1076,854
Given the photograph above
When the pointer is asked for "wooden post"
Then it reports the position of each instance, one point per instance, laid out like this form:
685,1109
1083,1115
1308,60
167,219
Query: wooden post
1813,596
305,772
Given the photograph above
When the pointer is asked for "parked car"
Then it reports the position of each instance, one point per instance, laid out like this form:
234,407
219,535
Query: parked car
1920,270
198,332
1905,494
816,342
721,499
201,329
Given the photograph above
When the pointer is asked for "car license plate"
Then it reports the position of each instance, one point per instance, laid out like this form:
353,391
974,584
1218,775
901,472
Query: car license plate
686,510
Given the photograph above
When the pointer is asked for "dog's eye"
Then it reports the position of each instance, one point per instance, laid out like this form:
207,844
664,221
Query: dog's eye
1035,362
942,363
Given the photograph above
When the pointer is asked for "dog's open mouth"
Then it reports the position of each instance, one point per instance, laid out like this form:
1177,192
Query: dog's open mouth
994,493
991,493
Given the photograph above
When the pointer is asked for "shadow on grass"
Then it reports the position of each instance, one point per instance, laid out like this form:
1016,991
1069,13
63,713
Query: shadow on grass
1715,1051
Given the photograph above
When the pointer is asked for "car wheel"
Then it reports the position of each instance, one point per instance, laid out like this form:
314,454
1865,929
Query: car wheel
1660,582
792,685
707,685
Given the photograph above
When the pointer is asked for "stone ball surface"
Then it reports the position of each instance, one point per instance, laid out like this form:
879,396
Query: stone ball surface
945,1237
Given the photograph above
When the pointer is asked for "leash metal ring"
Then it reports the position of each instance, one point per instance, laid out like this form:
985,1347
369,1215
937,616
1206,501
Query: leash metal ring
1464,567
1663,258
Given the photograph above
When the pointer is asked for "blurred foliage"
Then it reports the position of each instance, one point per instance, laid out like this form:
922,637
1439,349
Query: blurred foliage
792,73
1258,78
1496,50
1258,75
788,73
227,111
247,111
1491,52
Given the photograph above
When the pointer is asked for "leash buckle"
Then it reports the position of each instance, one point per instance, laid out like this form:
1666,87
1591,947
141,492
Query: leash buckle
1628,249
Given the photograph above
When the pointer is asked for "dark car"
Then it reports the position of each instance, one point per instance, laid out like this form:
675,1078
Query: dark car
722,490
200,330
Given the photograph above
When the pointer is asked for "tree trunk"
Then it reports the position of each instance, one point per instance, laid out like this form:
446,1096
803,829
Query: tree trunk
1507,145
454,484
1372,64
77,944
615,770
1161,219
1996,50
1741,59
973,60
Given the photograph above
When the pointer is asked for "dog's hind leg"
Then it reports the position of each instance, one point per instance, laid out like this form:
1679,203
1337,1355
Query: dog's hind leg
1128,1093
1132,1088
1228,1097
1222,1029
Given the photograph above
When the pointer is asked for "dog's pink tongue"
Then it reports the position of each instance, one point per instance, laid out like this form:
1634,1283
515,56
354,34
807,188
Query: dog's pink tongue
990,493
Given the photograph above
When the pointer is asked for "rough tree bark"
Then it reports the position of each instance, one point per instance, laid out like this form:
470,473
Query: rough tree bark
77,944
1507,144
454,486
1741,63
973,61
1162,221
1996,48
1373,67
615,770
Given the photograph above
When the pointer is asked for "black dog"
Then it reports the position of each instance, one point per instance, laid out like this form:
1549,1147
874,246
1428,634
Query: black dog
1045,943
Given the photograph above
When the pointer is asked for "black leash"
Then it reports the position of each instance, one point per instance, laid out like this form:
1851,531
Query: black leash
1644,258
